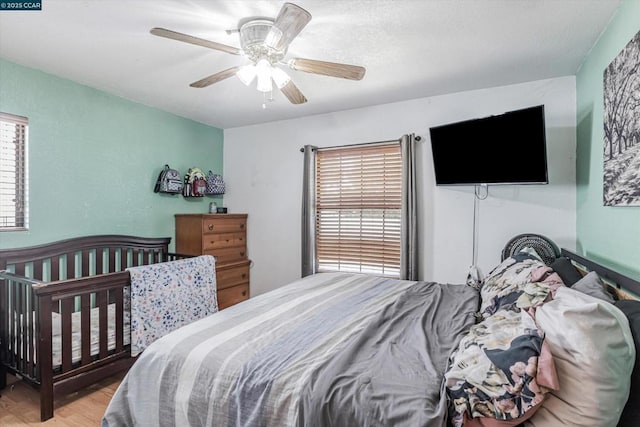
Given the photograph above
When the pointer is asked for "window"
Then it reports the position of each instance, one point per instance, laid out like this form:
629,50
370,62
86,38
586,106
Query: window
13,172
358,209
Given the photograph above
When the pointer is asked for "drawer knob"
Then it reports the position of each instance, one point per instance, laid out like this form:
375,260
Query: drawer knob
244,275
241,225
244,293
241,253
210,227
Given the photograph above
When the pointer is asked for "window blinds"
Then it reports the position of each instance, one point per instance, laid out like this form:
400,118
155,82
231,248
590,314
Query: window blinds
358,202
13,188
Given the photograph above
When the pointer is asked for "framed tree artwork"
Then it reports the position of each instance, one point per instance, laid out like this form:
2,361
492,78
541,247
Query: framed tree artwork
621,175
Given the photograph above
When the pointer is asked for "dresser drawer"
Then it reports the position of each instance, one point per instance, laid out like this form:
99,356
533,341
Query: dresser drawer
232,275
233,295
224,225
228,254
223,236
222,240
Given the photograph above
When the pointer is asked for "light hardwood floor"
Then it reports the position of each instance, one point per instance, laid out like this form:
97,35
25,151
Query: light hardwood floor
19,405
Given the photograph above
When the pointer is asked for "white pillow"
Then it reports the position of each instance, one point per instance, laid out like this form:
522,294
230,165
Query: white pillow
594,354
591,284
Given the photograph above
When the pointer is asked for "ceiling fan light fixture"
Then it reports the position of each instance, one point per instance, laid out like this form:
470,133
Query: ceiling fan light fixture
273,37
263,70
280,78
247,73
253,36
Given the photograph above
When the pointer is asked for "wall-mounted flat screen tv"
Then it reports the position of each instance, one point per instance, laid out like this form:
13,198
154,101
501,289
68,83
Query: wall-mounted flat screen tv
509,148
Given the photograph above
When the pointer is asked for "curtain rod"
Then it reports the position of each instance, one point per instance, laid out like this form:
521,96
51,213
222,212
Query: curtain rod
334,147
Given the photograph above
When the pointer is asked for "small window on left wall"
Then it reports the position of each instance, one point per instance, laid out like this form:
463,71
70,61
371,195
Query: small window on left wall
14,132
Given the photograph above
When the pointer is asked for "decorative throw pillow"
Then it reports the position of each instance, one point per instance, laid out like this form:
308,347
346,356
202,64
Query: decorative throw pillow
631,412
591,284
566,270
594,355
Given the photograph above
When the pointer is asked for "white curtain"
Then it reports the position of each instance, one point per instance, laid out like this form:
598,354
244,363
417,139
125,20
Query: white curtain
309,211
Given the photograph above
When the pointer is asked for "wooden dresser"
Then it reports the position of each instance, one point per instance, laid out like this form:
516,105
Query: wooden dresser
225,237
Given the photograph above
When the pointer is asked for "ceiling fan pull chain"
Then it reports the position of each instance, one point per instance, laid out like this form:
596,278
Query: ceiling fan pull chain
265,99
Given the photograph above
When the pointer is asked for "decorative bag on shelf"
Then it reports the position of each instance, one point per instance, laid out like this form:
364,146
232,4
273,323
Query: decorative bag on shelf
215,184
169,181
194,183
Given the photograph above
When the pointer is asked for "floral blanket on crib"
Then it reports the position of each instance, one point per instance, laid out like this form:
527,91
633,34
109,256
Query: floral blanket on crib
169,295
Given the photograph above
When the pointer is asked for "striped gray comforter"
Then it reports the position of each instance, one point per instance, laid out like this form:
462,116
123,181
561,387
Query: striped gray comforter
328,350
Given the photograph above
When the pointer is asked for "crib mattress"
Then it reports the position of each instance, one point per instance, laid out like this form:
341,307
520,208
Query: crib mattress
76,340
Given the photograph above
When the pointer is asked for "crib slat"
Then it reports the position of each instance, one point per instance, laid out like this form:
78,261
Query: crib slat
71,265
19,269
86,255
101,304
25,290
55,269
123,259
112,260
66,333
37,269
99,257
11,322
20,328
31,338
4,321
85,328
14,321
43,350
119,320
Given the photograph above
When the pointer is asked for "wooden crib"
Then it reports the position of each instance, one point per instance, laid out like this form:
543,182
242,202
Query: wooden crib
76,279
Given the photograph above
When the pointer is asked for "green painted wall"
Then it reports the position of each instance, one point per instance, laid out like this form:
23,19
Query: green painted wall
94,159
607,234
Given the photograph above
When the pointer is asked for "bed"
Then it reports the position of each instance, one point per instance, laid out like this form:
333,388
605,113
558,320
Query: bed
337,349
64,318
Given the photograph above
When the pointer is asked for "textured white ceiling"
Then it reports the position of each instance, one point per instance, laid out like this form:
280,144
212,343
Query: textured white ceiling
410,48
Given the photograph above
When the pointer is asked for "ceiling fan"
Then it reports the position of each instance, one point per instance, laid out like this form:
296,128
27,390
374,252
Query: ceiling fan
265,42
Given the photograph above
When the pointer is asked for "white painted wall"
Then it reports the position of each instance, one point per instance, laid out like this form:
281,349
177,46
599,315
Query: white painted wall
263,172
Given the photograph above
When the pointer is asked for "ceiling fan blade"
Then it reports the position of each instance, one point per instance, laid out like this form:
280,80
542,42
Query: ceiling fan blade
292,93
331,69
163,32
215,78
288,24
